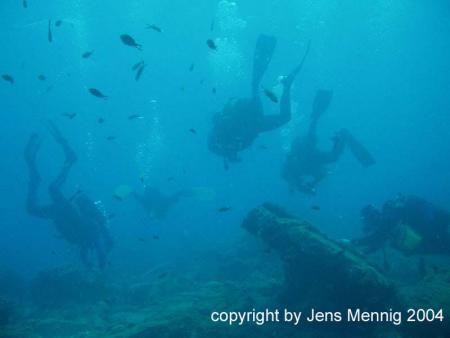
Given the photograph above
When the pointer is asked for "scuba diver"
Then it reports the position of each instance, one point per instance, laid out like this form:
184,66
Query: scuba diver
156,203
239,123
77,219
306,165
409,224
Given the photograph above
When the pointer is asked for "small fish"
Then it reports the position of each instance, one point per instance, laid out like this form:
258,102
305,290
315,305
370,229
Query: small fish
25,4
142,179
263,147
100,120
162,275
141,239
69,115
211,44
111,216
49,34
213,24
8,78
129,41
135,117
224,209
214,90
137,65
87,55
139,72
58,23
170,179
191,67
271,95
315,207
155,237
193,131
97,93
111,138
155,28
42,77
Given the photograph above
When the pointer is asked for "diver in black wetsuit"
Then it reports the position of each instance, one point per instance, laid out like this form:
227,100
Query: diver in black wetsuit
156,203
77,219
306,165
239,123
409,224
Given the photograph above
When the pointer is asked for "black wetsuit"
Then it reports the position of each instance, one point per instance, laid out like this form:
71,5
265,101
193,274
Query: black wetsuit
306,165
431,225
240,122
88,232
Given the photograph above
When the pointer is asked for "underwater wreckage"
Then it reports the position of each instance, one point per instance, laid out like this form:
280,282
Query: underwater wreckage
317,268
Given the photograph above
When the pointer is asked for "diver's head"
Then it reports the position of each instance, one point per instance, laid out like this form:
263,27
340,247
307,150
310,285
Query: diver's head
370,216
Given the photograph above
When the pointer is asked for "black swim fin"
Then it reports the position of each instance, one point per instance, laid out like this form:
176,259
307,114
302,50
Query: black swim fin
359,151
265,46
321,103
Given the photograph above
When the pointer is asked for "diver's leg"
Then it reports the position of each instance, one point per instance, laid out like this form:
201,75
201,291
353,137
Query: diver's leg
264,49
70,159
31,150
275,121
339,143
321,103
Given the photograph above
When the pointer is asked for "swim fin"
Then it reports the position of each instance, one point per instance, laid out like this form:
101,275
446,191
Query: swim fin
265,46
321,103
359,151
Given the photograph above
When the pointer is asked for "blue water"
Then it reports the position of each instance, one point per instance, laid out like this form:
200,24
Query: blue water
386,61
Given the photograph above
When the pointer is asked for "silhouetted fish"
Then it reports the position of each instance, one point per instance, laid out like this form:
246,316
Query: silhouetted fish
155,237
214,90
315,207
155,28
224,209
162,275
87,55
25,4
141,239
263,147
135,117
101,120
211,44
58,23
49,34
42,77
213,24
129,41
139,72
69,115
271,95
193,131
192,66
170,179
8,78
97,93
111,216
111,138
